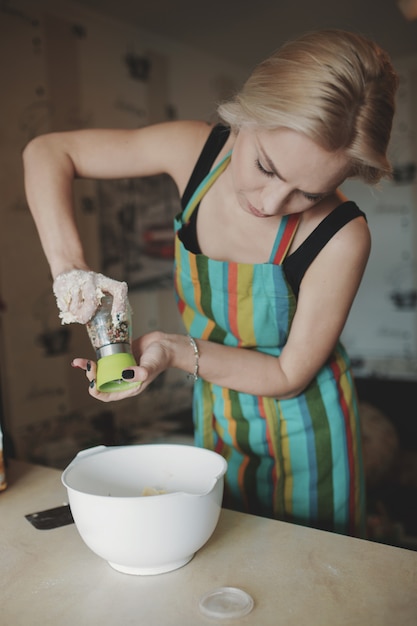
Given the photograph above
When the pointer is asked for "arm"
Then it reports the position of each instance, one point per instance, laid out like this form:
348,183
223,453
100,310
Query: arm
326,295
325,299
52,162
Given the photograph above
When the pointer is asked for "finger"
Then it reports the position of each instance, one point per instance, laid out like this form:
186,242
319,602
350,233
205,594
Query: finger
80,363
119,292
117,288
85,312
88,366
113,396
84,304
135,374
91,371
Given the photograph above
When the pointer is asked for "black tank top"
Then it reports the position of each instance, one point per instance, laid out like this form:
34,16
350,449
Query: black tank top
297,263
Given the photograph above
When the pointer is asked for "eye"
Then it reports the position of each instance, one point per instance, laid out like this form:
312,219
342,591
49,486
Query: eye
263,170
311,197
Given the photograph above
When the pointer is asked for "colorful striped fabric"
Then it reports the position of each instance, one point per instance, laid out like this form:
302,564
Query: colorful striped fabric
299,459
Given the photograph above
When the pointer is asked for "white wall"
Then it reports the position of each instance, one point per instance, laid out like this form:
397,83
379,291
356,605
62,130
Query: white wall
381,333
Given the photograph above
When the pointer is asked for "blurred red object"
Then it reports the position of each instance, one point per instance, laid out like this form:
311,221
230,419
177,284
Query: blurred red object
159,242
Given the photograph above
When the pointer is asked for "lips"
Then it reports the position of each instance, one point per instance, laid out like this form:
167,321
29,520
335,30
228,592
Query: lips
255,212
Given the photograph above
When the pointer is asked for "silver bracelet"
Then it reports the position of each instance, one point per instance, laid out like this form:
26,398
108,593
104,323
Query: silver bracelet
194,346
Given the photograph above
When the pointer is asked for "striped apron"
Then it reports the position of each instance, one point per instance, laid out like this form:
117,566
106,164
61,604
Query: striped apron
298,459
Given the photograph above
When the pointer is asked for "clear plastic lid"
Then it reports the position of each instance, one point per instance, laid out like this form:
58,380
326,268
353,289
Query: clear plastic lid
226,602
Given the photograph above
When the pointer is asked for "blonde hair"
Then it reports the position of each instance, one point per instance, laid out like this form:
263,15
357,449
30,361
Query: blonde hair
336,87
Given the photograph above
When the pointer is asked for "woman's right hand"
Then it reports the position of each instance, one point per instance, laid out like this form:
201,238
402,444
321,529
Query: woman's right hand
79,292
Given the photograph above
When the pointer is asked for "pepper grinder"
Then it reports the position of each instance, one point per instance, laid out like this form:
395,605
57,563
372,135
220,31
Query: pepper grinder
111,339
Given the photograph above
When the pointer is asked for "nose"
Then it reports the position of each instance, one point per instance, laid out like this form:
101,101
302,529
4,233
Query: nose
275,197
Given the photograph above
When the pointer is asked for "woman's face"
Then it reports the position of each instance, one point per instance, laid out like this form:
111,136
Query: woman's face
278,172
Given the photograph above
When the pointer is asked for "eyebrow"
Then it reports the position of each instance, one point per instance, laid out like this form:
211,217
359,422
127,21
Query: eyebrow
276,172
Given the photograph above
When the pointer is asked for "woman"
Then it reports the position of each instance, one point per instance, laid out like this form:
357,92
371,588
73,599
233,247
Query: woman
269,257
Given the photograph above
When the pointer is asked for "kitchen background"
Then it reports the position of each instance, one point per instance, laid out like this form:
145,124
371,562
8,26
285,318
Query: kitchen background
72,64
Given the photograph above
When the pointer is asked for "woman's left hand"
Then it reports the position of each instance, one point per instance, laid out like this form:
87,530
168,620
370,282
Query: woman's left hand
152,354
90,368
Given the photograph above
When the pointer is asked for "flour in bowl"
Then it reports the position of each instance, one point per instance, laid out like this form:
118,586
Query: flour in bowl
152,491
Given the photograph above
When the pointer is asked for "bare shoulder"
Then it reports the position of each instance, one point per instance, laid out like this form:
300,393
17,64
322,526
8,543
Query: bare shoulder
342,261
353,238
345,255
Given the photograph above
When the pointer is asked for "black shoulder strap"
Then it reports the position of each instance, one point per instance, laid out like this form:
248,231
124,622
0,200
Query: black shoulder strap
297,263
211,149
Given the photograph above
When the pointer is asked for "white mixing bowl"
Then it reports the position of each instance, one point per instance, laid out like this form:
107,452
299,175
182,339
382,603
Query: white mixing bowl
145,534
